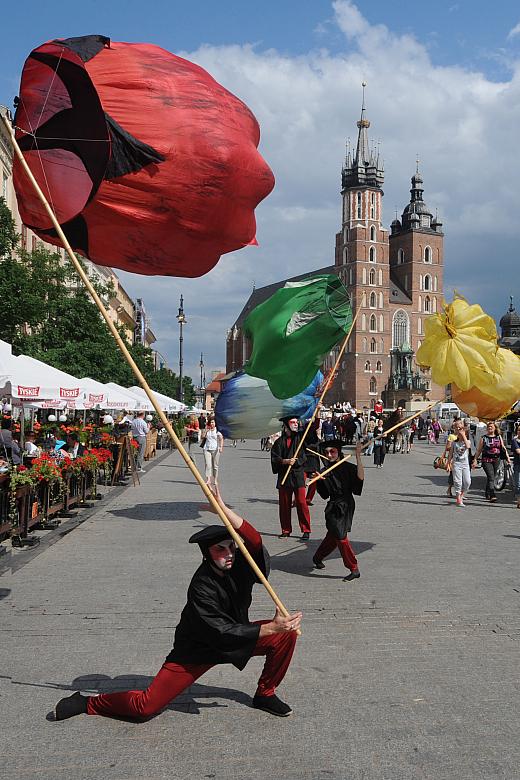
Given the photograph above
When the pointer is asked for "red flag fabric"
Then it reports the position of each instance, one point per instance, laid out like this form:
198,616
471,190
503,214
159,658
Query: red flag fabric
149,163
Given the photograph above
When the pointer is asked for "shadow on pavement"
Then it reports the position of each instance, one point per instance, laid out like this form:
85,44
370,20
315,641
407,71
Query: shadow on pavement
163,510
4,593
511,536
262,501
298,560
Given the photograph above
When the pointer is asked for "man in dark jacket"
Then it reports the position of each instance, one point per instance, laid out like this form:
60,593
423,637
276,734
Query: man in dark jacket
214,629
282,455
339,487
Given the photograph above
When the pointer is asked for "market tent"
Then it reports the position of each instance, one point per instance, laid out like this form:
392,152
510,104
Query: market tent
27,379
101,396
131,400
167,404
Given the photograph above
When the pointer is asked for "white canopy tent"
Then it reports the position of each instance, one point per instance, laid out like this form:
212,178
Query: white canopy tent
28,380
167,404
132,401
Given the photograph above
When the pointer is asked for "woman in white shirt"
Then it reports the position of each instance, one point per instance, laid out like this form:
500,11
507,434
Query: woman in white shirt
212,443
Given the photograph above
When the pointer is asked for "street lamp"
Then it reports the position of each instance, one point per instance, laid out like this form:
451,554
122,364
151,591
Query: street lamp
181,319
202,383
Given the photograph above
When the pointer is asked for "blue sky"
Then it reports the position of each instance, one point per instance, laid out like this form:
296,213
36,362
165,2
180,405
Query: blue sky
444,83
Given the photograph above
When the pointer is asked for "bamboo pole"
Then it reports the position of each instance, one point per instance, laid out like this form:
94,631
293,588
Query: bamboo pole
317,453
399,424
331,468
327,385
142,381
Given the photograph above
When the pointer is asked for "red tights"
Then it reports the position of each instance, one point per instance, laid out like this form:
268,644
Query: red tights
347,553
285,495
173,678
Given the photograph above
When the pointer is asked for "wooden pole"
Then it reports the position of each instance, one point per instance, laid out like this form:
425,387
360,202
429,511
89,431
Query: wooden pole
327,385
331,468
142,381
399,424
324,457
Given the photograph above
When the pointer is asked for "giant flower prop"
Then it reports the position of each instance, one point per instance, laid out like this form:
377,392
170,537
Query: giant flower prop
461,348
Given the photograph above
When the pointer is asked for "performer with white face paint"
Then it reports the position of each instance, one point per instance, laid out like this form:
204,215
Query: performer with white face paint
214,629
282,455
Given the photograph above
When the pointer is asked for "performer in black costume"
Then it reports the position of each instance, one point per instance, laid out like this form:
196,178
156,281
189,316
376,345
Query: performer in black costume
214,629
282,455
339,487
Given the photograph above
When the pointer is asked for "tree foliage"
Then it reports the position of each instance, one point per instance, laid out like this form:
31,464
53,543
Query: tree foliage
47,314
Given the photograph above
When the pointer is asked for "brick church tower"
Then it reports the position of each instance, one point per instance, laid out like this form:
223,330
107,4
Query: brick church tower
396,280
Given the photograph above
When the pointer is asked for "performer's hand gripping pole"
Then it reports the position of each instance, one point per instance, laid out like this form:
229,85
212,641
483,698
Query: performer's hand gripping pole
142,381
326,387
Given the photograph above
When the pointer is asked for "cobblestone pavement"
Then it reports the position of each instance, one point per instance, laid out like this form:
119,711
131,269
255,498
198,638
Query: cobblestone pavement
410,672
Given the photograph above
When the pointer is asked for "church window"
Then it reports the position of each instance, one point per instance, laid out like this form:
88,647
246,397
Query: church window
364,276
380,278
425,220
363,322
381,323
358,206
373,386
371,276
373,346
372,254
364,300
427,304
373,323
400,329
435,284
427,254
350,276
419,303
434,305
345,255
382,350
372,206
367,366
379,367
427,282
364,345
373,300
380,300
373,233
400,256
419,326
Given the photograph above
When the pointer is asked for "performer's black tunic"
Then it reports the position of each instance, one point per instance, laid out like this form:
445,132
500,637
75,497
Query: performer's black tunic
214,627
339,487
281,450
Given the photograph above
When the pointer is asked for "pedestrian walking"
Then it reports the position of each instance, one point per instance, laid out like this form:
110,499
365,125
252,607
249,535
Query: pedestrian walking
515,451
338,488
283,455
490,449
379,444
369,433
212,443
458,461
214,628
139,428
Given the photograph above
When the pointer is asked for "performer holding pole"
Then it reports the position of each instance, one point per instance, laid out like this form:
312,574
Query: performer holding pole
286,451
339,487
214,629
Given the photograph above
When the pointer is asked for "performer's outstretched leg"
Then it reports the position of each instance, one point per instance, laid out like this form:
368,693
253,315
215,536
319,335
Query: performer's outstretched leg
327,546
278,650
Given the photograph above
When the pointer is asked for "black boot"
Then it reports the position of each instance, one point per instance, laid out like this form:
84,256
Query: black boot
273,705
70,706
354,575
318,564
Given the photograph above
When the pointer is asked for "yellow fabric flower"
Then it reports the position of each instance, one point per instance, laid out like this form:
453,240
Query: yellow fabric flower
460,346
491,401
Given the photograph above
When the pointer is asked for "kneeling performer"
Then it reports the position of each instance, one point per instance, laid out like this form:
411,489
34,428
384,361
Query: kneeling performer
214,629
340,486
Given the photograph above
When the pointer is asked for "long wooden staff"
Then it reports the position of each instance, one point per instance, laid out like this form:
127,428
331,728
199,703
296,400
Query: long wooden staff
142,381
327,385
324,457
330,468
367,444
399,424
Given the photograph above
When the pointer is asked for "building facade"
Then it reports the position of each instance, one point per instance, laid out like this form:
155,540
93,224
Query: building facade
394,278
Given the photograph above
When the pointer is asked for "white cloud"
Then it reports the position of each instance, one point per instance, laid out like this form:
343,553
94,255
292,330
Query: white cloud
462,126
514,31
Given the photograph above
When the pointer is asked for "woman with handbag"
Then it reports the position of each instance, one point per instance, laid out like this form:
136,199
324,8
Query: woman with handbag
515,450
212,444
491,449
458,461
